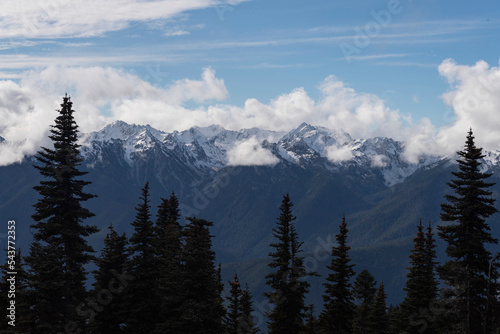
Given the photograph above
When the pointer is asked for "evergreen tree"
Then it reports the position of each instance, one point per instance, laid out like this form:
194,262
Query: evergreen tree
396,322
59,251
364,292
338,310
169,251
431,293
421,286
109,293
287,281
311,322
234,311
466,273
377,319
202,310
246,324
143,267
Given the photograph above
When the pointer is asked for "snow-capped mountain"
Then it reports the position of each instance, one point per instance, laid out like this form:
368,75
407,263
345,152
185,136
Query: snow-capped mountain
206,149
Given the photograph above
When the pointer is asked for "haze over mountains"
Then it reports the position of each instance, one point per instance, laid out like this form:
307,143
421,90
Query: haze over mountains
237,179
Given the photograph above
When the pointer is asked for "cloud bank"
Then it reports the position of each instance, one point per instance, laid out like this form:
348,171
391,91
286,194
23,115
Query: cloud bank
102,95
250,153
339,154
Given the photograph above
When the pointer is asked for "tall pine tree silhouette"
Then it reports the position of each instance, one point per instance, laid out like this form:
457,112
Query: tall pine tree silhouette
246,323
466,273
421,285
168,234
287,281
60,251
202,310
378,320
338,310
234,306
143,267
364,292
109,291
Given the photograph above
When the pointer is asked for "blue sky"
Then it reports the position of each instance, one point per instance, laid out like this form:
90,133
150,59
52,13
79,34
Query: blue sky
405,69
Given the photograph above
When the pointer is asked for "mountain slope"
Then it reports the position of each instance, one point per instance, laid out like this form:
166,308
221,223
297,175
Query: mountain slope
382,196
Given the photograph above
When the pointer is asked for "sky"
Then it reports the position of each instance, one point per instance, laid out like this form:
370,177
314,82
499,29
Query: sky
422,72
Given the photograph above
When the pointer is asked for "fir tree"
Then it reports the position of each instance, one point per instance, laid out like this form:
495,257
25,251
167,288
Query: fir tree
202,310
421,286
143,267
377,319
338,310
59,251
431,293
311,322
246,323
466,273
169,250
287,281
364,292
234,311
109,292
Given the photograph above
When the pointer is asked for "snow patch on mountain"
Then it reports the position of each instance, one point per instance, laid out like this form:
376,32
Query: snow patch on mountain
213,147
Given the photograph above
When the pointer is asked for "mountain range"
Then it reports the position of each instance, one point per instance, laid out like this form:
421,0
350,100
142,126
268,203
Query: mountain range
237,179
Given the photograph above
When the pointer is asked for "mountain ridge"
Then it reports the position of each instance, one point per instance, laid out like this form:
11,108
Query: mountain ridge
206,149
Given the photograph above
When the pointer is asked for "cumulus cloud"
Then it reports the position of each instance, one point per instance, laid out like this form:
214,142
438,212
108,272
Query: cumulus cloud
250,153
104,94
379,161
474,96
72,18
339,154
101,95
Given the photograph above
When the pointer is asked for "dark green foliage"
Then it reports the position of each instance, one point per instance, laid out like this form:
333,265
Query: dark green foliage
109,292
239,318
143,267
168,233
364,292
378,320
246,324
202,310
466,273
287,281
311,322
431,293
59,251
339,308
421,285
234,306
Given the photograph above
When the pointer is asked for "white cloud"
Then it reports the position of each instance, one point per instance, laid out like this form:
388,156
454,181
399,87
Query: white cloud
100,95
339,154
475,99
379,161
175,32
359,114
250,153
72,18
105,94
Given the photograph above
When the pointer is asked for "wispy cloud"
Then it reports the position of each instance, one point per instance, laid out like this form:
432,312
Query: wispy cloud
408,64
72,18
380,56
